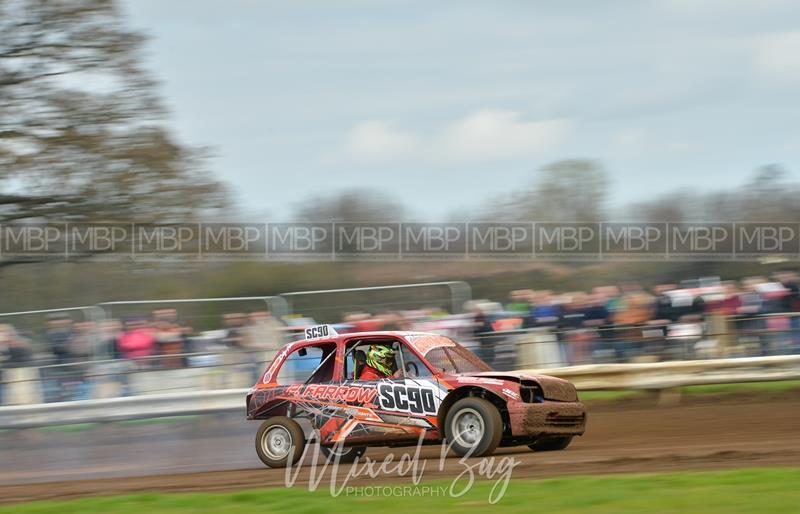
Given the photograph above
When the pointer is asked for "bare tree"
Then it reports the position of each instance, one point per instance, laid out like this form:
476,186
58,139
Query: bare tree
567,190
81,126
354,205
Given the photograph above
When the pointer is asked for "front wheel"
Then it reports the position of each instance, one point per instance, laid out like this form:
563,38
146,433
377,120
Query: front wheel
344,455
280,442
473,427
549,444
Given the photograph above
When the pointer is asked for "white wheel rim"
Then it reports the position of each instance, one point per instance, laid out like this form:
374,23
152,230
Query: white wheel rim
467,427
276,442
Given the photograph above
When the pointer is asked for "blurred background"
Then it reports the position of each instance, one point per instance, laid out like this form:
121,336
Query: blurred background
150,112
136,112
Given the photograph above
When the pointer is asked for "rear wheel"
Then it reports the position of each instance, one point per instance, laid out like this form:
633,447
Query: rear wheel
473,427
549,444
345,455
280,442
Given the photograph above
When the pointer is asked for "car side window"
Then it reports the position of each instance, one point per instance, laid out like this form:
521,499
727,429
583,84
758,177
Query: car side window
302,363
356,358
414,367
354,362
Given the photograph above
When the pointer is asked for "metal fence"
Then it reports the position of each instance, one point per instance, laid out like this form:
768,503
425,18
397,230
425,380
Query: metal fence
329,305
277,305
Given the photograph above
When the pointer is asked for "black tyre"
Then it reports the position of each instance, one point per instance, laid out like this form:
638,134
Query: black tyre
279,442
473,427
346,455
549,444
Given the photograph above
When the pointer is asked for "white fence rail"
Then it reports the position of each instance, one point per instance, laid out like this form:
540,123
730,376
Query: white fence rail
654,376
122,409
666,375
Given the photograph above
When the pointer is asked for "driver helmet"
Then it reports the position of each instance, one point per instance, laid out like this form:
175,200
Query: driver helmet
381,358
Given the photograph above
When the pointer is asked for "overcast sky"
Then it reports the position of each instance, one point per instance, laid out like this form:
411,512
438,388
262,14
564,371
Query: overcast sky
445,103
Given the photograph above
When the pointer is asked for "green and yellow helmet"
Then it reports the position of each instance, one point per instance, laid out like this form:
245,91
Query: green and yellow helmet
381,358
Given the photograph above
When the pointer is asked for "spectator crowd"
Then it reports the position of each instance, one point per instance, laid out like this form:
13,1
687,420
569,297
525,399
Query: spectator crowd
698,318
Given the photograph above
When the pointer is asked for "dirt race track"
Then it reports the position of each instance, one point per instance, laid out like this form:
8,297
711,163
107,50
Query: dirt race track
640,435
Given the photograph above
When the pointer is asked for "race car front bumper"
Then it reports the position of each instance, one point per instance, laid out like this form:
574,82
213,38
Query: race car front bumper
547,417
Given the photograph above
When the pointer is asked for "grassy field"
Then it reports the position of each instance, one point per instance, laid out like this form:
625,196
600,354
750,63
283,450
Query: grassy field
775,387
748,490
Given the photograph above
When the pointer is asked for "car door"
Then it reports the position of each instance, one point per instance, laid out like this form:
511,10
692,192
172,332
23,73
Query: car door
303,379
399,408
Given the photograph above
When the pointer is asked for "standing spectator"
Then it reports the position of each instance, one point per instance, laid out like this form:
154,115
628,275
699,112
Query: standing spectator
665,310
57,380
59,337
15,351
544,311
520,301
108,332
482,329
720,311
234,340
137,341
4,355
263,332
634,310
234,324
262,338
169,338
81,351
595,318
605,349
791,305
3,358
776,322
571,336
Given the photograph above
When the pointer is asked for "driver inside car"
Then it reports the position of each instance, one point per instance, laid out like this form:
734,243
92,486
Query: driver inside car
380,363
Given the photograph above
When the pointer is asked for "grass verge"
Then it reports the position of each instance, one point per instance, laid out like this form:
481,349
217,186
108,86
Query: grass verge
745,490
775,387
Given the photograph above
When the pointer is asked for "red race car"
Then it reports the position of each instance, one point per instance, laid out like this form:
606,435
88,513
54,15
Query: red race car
395,388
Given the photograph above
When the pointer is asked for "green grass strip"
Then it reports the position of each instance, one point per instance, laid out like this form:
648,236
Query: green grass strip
776,387
726,492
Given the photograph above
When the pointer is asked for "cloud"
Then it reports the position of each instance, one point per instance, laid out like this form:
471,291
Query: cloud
379,141
490,135
482,136
778,57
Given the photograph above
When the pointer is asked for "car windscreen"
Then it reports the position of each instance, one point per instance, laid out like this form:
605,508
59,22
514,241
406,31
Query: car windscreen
452,357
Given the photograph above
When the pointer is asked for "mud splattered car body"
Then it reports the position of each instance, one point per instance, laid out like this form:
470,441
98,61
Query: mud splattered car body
325,397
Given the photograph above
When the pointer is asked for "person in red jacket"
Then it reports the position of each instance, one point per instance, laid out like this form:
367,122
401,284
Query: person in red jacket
380,363
137,341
